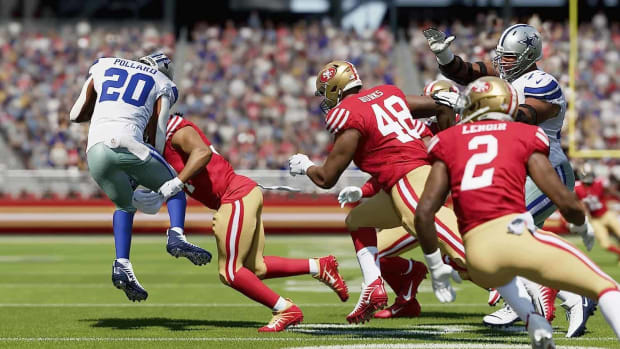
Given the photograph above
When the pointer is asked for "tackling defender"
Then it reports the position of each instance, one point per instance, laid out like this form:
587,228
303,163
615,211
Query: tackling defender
542,103
118,98
374,128
237,224
484,163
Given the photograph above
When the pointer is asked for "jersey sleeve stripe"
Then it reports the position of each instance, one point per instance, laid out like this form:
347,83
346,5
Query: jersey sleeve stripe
344,120
556,94
433,143
552,85
173,127
543,138
332,123
330,116
171,123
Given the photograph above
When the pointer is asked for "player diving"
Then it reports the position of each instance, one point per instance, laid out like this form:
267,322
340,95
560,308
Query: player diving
119,98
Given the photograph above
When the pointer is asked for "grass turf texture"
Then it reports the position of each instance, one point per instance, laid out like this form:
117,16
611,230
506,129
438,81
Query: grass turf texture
56,292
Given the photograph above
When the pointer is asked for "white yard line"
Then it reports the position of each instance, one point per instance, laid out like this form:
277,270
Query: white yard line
195,305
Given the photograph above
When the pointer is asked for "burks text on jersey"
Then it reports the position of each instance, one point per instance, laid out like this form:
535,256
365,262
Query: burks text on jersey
134,65
467,129
371,96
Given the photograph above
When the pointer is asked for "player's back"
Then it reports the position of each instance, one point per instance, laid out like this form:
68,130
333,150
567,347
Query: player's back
126,96
487,163
390,144
540,85
217,183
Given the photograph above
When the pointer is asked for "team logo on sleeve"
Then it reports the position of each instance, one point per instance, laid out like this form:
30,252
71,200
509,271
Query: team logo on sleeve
480,86
327,74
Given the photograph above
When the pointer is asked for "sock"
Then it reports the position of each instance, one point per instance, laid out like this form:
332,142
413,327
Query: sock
364,237
177,230
369,264
278,267
515,294
569,298
614,249
281,304
609,303
393,269
176,210
122,222
123,260
250,285
313,266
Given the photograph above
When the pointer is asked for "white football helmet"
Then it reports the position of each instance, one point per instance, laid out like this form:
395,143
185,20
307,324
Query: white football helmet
159,61
523,44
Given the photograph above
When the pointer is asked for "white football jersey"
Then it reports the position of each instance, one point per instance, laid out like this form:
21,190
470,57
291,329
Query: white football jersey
543,86
126,95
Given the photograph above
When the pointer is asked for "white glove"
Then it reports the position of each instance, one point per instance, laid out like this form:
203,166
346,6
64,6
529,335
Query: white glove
348,195
299,164
439,45
447,98
440,275
586,231
170,188
147,201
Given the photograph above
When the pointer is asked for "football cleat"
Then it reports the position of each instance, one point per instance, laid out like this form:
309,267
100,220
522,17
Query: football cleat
501,318
329,275
283,319
494,297
372,298
540,332
543,298
406,304
178,246
124,279
577,315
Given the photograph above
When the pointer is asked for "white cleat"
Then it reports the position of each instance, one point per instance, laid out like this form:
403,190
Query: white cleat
501,318
540,331
577,315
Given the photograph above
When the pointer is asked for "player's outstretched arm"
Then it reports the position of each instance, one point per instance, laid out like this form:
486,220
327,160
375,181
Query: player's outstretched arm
545,177
199,154
535,111
426,106
84,106
453,67
326,175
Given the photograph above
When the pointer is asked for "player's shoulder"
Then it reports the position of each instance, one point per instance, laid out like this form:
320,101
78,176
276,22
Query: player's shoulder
539,84
175,123
443,138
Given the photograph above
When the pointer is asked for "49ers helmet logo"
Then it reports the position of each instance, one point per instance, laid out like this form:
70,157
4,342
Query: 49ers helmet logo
481,86
328,74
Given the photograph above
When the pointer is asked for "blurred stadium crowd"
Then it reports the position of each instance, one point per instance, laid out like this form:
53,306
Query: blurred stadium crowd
250,87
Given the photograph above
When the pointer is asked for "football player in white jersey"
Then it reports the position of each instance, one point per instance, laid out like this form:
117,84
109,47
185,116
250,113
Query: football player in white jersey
541,102
119,98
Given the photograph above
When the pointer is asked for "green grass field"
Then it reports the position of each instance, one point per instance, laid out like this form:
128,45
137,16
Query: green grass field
56,292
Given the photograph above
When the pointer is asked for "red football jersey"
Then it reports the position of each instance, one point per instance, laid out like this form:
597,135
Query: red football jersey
218,183
593,196
487,164
391,144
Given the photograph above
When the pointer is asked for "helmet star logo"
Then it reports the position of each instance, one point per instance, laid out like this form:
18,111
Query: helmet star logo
529,40
327,74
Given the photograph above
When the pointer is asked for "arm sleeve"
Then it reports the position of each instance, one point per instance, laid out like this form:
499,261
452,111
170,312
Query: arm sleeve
170,90
79,103
370,188
465,72
162,122
543,86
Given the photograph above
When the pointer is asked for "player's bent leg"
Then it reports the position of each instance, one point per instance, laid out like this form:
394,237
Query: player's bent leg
603,226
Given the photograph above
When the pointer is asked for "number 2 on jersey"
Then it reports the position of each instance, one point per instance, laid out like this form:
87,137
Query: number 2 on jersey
136,92
471,182
386,123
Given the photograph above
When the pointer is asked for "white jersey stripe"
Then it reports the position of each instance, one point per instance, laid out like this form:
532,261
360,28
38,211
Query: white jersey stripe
344,120
433,143
543,139
410,240
331,116
332,123
172,126
232,242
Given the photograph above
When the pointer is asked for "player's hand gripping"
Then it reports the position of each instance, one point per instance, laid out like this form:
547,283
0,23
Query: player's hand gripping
299,164
147,201
440,45
170,188
349,195
586,231
448,98
441,274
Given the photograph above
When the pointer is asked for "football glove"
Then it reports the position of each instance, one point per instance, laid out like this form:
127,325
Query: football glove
440,45
586,231
349,195
447,98
299,164
147,201
440,275
170,188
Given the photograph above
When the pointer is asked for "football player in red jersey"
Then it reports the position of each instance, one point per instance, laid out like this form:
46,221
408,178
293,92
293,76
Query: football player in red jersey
375,129
403,275
484,163
238,226
591,191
